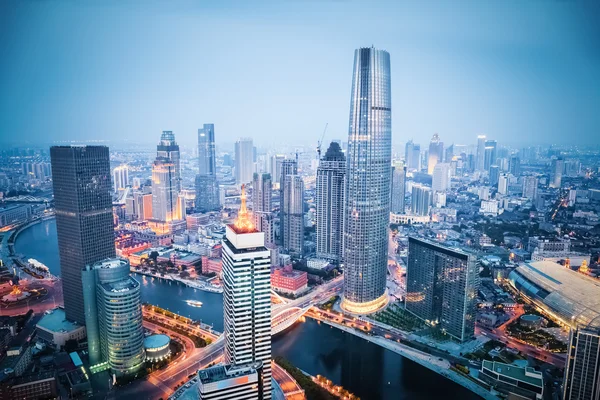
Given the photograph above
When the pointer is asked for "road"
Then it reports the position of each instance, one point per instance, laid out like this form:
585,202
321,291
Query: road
53,299
288,384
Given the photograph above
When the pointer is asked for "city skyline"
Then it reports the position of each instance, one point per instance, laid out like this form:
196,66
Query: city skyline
501,59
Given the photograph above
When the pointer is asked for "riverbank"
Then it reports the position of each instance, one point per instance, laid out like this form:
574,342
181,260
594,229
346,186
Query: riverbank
439,365
174,278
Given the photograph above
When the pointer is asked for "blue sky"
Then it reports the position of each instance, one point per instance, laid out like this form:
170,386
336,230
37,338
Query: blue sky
520,71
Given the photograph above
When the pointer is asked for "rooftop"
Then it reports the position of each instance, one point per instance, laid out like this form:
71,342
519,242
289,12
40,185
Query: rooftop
121,286
55,321
527,375
154,341
221,372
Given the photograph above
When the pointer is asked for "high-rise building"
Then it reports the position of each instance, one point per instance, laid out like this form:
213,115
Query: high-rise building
441,287
530,186
113,316
120,178
449,153
582,373
169,149
503,181
441,177
292,215
275,167
84,216
244,160
408,155
166,206
262,188
556,173
368,183
398,190
490,154
247,296
329,201
143,205
494,175
287,167
239,382
514,165
480,156
207,187
420,200
436,153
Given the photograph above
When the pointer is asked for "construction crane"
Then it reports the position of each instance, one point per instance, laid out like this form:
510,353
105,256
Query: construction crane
320,141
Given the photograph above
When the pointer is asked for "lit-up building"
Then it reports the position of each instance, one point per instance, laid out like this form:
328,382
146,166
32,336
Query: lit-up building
167,205
247,296
113,316
368,175
157,347
582,373
120,177
232,382
169,149
289,281
207,187
441,287
436,153
568,296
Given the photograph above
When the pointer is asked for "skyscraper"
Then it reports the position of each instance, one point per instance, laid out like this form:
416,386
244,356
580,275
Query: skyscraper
275,167
247,296
367,204
412,155
84,217
120,177
441,177
494,175
480,156
398,190
514,165
244,160
490,154
262,188
329,201
582,373
287,167
558,165
113,316
166,206
503,181
436,153
441,287
207,187
169,149
530,186
292,215
420,200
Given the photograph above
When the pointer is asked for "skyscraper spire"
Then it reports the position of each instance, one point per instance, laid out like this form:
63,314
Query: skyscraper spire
243,223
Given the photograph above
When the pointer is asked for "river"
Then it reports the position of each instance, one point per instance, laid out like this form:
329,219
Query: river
367,370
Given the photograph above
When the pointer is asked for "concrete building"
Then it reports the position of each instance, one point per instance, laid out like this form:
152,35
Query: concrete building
113,316
157,347
441,177
441,287
55,329
530,187
367,194
120,178
207,187
480,155
286,280
247,291
329,201
420,201
166,204
169,149
14,214
262,188
556,173
244,160
84,216
512,381
232,382
292,215
398,191
412,156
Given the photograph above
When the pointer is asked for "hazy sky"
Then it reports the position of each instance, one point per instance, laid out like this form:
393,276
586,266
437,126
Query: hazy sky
521,71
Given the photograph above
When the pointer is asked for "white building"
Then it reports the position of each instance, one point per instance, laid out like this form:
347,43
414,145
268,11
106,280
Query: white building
244,160
440,180
232,382
489,207
120,177
247,295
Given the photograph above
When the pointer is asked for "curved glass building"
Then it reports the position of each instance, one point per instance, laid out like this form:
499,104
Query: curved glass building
367,204
114,316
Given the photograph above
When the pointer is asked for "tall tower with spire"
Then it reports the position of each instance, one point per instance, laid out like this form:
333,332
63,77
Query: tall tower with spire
247,295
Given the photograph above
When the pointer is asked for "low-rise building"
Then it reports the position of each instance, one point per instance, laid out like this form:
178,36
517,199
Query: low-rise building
289,281
211,265
231,382
55,329
42,385
526,383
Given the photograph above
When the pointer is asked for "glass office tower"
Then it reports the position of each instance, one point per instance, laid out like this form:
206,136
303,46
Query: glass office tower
367,204
84,216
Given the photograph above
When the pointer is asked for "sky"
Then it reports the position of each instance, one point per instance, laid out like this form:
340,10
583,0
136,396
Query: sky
519,71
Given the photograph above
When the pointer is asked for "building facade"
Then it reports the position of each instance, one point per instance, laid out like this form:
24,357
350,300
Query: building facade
169,149
436,153
262,190
582,373
441,287
244,160
329,201
441,177
247,296
367,194
398,200
120,178
292,215
113,312
420,200
166,205
207,187
232,382
84,216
